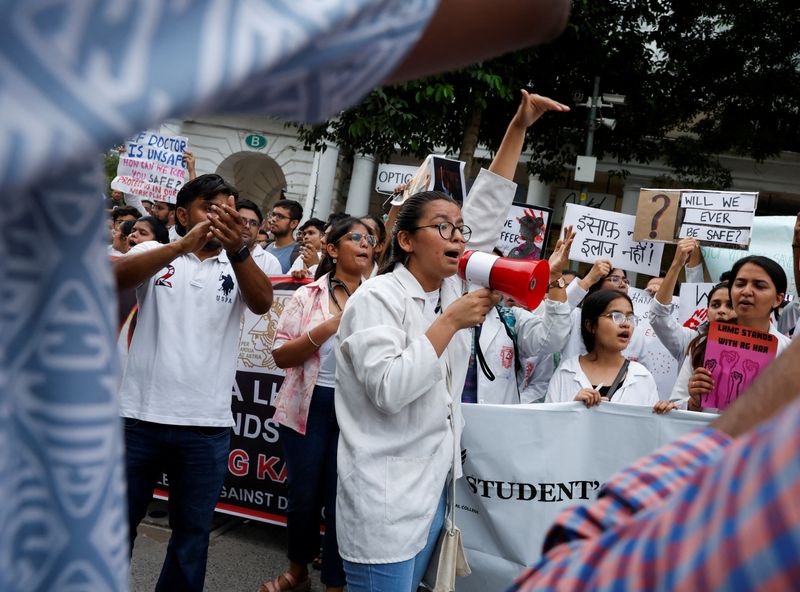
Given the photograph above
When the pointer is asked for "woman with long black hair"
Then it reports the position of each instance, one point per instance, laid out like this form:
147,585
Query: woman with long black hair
401,367
305,341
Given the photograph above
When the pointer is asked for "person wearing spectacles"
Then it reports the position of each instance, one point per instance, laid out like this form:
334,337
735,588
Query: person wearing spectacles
602,276
604,373
282,222
252,219
402,365
305,345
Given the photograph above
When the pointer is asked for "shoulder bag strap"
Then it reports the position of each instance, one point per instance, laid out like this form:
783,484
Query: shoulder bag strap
618,379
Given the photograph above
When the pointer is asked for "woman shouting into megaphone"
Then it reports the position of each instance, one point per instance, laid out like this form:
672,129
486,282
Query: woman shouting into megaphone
401,367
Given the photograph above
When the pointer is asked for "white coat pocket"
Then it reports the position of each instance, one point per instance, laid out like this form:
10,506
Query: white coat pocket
409,481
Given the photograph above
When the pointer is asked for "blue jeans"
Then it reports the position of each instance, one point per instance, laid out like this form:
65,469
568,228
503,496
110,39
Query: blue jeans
404,576
311,470
196,462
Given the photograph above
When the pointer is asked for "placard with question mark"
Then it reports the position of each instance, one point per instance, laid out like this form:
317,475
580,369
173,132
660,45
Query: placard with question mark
656,215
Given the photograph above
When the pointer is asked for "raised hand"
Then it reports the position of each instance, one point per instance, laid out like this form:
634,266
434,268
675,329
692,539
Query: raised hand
684,250
226,225
560,257
533,106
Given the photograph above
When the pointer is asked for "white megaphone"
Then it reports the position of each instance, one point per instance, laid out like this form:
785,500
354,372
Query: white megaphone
524,280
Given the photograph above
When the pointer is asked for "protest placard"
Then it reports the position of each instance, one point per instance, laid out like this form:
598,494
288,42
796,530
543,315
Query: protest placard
771,237
609,235
662,365
525,232
712,217
735,355
718,217
152,166
602,201
437,173
693,304
656,215
391,175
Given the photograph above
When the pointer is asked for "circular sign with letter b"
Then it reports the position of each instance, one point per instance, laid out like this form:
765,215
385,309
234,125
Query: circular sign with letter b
256,141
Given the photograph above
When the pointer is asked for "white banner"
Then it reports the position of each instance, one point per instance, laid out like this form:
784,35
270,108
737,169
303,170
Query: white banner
152,166
609,235
523,464
771,237
662,365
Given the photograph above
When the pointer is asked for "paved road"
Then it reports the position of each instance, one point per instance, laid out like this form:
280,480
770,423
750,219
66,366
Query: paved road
241,554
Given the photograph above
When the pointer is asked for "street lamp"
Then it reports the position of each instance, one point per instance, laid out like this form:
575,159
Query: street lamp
586,165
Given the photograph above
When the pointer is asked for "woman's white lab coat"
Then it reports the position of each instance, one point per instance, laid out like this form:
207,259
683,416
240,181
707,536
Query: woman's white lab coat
394,396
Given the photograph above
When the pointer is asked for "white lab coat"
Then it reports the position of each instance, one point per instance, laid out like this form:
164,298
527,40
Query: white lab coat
672,335
543,333
393,398
638,388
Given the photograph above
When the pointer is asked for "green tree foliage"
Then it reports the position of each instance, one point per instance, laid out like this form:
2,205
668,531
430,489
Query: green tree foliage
701,79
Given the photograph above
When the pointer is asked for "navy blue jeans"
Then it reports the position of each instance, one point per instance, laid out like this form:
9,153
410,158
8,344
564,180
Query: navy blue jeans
311,470
195,460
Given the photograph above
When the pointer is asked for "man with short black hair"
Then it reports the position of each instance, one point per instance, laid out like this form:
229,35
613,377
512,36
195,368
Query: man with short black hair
251,222
164,212
175,395
285,216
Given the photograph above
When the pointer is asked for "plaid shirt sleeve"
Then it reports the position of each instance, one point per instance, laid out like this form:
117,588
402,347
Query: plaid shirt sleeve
698,514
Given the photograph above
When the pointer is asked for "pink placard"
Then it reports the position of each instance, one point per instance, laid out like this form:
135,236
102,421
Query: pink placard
735,355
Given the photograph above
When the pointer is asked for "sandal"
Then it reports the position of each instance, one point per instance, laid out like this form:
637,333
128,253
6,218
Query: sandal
288,578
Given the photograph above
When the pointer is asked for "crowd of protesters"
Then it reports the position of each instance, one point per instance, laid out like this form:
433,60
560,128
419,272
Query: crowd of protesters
381,347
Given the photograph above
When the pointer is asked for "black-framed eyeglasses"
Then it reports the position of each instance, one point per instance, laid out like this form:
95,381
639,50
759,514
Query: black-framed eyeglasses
251,223
357,237
620,318
447,230
618,279
279,216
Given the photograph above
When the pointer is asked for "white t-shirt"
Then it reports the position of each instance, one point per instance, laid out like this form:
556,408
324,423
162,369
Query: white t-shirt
327,363
182,361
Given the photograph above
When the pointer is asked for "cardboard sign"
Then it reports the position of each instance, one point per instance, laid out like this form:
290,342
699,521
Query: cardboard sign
656,215
437,173
735,355
712,217
602,201
525,232
609,235
693,304
391,175
152,166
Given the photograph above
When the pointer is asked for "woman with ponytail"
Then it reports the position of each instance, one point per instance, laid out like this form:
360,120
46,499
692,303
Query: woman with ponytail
757,287
401,367
305,343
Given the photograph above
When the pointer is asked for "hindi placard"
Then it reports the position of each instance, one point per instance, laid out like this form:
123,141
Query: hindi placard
609,235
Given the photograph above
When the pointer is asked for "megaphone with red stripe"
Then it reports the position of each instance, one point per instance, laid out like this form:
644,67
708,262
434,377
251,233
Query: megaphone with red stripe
524,280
